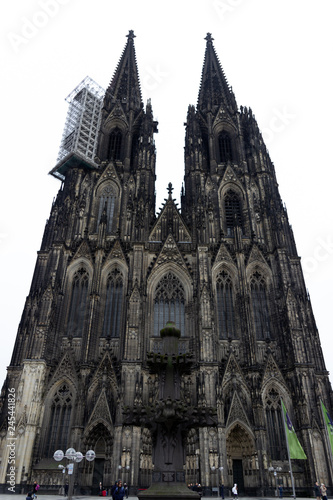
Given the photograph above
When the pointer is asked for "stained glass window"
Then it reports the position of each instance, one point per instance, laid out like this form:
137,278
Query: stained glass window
225,305
260,306
106,206
59,423
115,144
169,304
79,303
233,212
275,431
225,149
113,304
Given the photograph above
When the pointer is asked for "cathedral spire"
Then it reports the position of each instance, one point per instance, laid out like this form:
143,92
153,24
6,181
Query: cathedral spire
125,84
214,87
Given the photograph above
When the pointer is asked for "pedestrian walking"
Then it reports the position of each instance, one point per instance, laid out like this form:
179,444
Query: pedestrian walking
35,488
317,491
113,489
235,491
323,491
119,492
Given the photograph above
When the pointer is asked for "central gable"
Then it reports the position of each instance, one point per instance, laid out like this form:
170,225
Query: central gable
170,221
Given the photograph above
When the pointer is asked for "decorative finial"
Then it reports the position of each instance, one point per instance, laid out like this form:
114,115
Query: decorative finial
170,330
209,37
170,189
131,35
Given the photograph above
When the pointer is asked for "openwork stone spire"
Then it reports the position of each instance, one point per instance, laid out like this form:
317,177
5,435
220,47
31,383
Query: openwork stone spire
214,88
125,84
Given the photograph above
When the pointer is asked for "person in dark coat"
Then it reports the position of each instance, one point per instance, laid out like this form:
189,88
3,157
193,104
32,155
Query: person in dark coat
113,489
119,492
317,491
35,488
222,491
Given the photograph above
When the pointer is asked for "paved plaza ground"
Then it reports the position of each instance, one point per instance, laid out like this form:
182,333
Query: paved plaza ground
13,496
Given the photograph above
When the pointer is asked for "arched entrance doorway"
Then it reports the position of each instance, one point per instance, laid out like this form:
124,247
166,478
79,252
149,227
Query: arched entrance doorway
98,474
100,439
242,459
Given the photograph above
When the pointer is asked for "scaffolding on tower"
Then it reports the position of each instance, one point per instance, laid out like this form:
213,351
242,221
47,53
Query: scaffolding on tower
79,139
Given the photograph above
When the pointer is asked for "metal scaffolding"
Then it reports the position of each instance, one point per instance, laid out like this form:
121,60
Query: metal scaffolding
79,139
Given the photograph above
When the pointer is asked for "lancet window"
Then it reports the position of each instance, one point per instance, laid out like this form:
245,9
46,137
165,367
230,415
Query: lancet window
225,148
115,144
59,423
135,148
106,207
225,305
169,303
233,211
260,306
79,303
113,304
275,431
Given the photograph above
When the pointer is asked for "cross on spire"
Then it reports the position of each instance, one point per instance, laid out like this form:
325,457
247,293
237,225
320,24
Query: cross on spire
170,189
209,37
131,35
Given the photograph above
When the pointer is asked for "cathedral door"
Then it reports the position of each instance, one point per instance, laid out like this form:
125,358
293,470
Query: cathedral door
237,472
99,466
98,474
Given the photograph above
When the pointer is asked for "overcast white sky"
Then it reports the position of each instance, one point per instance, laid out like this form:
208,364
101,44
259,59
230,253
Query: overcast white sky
277,55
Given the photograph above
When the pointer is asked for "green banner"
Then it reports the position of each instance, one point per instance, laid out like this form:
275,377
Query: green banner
295,448
329,424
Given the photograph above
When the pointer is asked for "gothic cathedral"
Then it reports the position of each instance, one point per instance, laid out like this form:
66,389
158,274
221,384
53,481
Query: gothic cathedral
111,273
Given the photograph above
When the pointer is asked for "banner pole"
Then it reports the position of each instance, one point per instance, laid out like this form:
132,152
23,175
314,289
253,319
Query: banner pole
289,459
327,435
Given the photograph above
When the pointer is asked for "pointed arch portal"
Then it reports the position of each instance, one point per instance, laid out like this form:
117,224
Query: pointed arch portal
242,459
100,439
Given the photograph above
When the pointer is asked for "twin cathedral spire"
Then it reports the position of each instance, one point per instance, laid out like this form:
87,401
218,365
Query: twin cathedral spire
224,150
105,212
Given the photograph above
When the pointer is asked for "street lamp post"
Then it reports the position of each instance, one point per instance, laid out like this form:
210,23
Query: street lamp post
221,471
213,469
124,470
73,457
275,470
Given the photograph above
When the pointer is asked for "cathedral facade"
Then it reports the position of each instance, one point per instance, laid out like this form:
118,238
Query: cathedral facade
111,273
